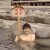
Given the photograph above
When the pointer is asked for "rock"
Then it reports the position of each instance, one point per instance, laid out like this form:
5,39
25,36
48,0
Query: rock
39,20
47,20
2,48
43,32
43,42
29,19
14,49
5,30
1,22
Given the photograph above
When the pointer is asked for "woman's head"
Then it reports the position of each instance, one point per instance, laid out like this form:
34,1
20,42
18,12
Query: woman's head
26,28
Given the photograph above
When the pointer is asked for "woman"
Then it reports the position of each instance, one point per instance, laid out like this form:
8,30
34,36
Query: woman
27,38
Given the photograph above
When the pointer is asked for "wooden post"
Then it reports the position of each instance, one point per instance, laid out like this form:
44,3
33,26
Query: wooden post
18,25
17,11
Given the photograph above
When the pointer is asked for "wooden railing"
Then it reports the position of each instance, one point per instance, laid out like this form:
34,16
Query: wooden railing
31,1
6,7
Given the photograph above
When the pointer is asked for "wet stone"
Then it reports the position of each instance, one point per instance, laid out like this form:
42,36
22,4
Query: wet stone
8,46
2,48
9,27
5,30
13,49
1,22
43,42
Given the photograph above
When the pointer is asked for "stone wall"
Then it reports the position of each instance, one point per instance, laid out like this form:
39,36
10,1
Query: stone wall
8,29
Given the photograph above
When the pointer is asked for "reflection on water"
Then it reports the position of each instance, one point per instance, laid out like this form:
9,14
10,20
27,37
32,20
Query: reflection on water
9,45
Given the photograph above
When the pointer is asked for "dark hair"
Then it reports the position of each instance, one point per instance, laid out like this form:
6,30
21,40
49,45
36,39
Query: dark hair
26,25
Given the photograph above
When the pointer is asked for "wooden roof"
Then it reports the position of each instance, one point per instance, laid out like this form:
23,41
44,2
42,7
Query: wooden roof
18,6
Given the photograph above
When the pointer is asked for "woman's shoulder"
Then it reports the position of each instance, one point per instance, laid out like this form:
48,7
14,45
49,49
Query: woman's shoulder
32,34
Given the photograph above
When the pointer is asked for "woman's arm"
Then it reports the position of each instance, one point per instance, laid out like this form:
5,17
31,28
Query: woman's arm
30,37
16,39
33,37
